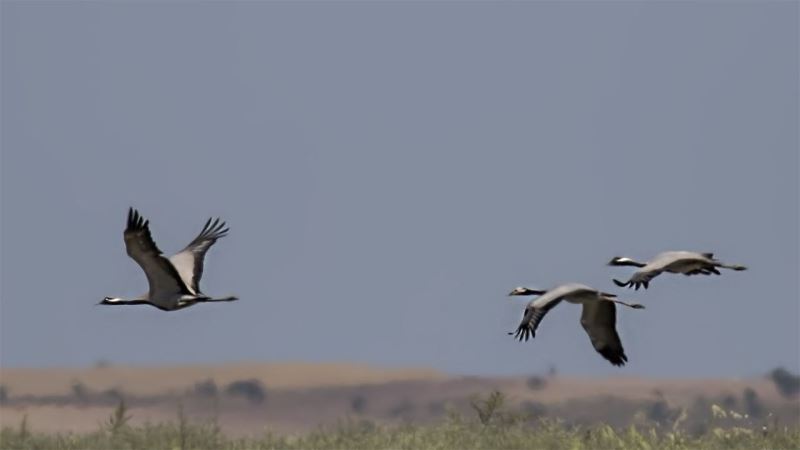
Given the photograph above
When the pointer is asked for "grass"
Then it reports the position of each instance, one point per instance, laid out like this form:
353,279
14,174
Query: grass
493,427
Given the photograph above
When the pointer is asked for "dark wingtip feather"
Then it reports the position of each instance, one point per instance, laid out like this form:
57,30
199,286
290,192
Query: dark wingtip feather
220,231
620,283
134,219
215,229
219,228
522,333
617,359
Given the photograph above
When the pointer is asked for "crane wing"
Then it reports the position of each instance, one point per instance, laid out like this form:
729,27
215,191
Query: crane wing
534,314
189,261
162,277
599,319
640,278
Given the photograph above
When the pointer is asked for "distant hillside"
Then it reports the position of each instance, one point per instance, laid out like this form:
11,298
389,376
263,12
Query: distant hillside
143,380
289,397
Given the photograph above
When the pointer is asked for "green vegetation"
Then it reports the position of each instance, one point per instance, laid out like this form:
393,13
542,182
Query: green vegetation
492,427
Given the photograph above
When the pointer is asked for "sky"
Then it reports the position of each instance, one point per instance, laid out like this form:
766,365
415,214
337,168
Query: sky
390,171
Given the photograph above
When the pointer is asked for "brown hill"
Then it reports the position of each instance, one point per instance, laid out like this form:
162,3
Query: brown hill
300,396
143,380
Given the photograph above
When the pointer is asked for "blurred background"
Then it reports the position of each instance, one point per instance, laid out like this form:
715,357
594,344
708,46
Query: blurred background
390,171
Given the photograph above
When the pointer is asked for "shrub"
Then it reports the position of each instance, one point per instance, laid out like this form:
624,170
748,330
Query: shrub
659,412
437,407
787,383
252,390
489,408
80,392
112,395
402,410
534,410
730,402
536,383
206,389
102,363
118,419
752,404
24,432
358,403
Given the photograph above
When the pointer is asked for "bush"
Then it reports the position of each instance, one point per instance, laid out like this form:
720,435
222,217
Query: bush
660,412
205,389
117,421
80,392
490,408
437,408
402,410
102,363
358,404
752,404
112,395
252,390
533,410
730,402
787,383
536,383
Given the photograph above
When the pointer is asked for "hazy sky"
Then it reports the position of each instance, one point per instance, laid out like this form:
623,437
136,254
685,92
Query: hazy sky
391,171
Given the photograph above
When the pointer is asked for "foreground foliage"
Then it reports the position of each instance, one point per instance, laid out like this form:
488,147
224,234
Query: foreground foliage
450,435
492,428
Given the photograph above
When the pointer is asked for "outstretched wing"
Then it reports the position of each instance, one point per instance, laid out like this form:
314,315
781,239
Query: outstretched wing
534,314
703,271
641,278
189,261
161,275
599,319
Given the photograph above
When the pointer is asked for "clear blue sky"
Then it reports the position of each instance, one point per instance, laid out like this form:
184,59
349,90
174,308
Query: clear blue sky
390,171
